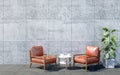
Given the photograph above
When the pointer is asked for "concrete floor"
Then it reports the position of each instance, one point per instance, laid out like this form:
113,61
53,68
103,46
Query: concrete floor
55,70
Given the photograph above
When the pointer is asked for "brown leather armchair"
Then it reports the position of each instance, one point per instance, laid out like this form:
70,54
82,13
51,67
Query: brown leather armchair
92,56
37,56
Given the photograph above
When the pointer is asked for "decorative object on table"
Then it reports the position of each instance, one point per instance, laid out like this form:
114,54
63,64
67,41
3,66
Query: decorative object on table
65,59
37,56
92,56
109,46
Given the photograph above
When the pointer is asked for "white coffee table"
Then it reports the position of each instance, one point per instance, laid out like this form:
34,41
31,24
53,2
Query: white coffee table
65,59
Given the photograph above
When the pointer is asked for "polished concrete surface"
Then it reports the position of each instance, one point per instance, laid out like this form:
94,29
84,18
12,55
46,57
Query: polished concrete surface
56,70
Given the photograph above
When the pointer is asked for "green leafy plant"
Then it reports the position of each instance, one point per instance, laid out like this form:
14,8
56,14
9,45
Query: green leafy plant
109,43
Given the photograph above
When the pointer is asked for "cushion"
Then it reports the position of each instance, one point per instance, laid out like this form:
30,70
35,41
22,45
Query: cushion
92,51
49,59
37,51
82,59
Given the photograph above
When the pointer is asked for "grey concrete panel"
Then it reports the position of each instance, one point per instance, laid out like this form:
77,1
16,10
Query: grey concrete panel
1,45
1,12
54,50
54,43
14,30
83,27
9,57
117,13
37,3
1,31
55,13
54,3
37,30
66,43
62,13
105,9
83,9
1,2
10,45
58,30
78,47
66,50
1,57
15,52
117,53
118,37
21,52
14,9
36,12
1,52
66,2
77,3
10,52
54,47
21,3
59,46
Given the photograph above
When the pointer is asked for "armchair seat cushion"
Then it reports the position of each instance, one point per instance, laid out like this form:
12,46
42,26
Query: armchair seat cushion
82,59
48,59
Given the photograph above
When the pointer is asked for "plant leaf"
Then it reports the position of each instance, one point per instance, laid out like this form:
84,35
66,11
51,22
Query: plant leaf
107,56
102,39
113,30
105,29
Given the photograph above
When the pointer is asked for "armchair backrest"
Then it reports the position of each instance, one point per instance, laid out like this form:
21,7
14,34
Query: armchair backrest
36,51
92,51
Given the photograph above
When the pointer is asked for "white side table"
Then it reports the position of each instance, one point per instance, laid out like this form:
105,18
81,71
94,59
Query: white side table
65,59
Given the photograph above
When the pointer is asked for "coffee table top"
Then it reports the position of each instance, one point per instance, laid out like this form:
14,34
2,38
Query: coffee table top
65,56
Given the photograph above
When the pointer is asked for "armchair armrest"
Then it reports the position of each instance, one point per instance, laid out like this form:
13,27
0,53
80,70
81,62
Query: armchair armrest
78,54
91,56
39,57
51,55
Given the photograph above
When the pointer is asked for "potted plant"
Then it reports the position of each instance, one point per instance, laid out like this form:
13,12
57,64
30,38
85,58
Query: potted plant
109,45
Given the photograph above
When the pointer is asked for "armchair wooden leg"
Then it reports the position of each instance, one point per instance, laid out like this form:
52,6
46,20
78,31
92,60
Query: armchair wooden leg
55,63
30,65
44,67
70,62
86,64
73,64
86,67
99,64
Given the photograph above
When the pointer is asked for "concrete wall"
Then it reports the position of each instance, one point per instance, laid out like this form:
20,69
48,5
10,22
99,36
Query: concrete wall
59,25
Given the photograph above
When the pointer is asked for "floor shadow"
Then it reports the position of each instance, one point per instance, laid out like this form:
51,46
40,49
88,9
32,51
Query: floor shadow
92,68
95,68
75,68
117,66
51,68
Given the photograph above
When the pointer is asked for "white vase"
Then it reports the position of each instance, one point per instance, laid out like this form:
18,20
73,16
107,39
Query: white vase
110,63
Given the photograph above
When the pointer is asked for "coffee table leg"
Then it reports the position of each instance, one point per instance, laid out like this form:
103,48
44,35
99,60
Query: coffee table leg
59,62
66,62
70,62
